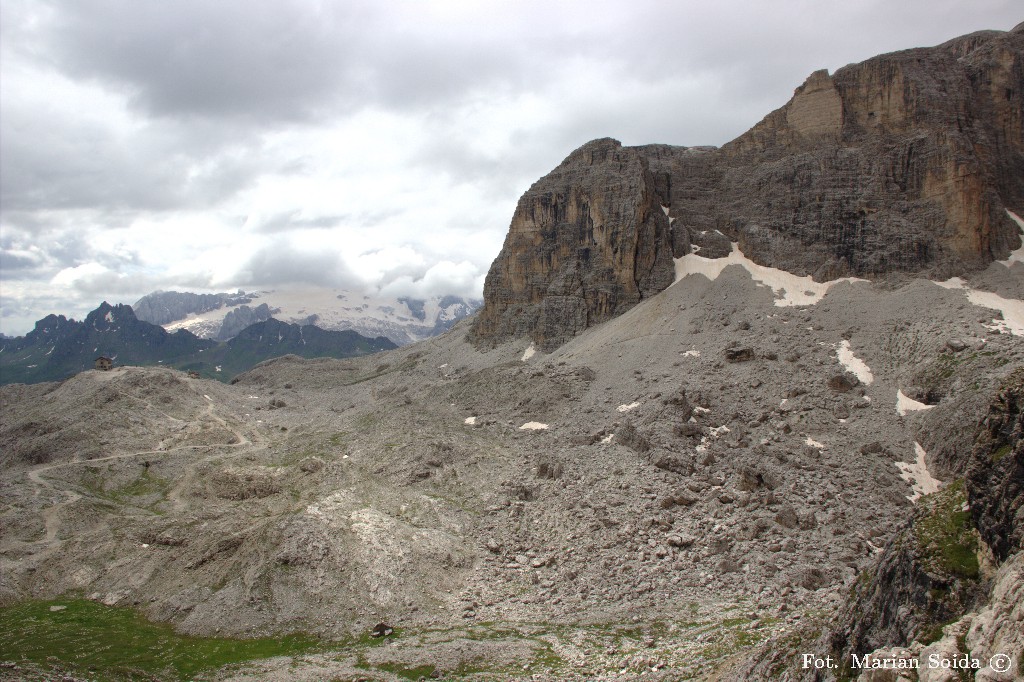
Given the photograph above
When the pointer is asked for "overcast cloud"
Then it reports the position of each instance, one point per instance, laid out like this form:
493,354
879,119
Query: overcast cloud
207,146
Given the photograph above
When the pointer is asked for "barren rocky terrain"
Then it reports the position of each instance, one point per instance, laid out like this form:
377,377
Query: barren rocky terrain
684,438
657,495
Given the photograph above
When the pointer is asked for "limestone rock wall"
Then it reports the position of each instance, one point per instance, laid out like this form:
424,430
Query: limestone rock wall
586,243
903,164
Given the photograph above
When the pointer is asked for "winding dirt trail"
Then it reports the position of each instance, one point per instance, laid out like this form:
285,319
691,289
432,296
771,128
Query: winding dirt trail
51,515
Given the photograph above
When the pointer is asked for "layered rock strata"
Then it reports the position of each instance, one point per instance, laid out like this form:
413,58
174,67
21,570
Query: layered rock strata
904,164
587,242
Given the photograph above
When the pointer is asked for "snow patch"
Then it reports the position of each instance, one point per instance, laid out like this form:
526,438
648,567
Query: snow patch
917,475
1018,255
701,410
691,354
608,438
1011,308
789,289
854,364
533,426
627,408
814,444
470,420
109,317
528,353
905,404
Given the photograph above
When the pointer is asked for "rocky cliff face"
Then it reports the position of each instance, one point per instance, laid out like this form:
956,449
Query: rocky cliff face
162,307
587,242
905,163
241,317
933,582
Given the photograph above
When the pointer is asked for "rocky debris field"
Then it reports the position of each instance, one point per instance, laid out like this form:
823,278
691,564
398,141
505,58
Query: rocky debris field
703,472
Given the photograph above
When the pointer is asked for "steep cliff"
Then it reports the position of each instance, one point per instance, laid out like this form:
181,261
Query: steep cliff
905,163
587,242
947,574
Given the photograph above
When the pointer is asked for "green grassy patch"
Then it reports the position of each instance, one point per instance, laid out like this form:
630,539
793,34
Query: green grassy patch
120,644
1000,453
143,486
945,534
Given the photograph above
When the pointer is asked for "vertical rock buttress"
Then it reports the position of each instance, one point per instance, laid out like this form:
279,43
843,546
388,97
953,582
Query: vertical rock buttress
587,242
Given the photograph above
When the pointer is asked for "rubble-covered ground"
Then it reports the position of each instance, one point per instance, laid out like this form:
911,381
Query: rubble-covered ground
703,472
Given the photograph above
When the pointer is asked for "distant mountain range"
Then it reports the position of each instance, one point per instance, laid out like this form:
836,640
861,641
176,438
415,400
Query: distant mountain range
59,347
222,316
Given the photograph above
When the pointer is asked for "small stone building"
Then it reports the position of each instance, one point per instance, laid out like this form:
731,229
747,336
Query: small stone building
104,363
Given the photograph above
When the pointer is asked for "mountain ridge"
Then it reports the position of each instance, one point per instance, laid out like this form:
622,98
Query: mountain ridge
59,347
402,319
904,164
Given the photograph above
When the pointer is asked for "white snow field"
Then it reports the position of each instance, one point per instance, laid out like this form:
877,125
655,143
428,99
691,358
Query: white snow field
1016,256
854,364
917,475
1012,309
789,289
905,404
335,309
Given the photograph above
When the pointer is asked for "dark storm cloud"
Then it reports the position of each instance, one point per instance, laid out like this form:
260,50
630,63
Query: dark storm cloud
266,62
59,162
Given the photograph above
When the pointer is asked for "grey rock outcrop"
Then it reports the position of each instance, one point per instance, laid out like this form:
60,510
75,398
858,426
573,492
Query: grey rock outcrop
905,163
587,242
929,574
163,307
241,317
995,478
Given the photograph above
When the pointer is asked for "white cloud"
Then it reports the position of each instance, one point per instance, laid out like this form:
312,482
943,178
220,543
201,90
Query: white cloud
445,277
206,145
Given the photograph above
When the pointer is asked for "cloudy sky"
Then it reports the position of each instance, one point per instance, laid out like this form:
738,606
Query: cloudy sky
377,145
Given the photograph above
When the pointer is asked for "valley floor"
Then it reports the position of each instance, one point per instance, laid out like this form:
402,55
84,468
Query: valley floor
704,472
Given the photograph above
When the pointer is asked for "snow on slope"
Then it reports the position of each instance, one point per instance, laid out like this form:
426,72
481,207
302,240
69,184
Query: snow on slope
1012,309
1018,255
793,290
789,289
402,321
854,364
917,475
906,404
